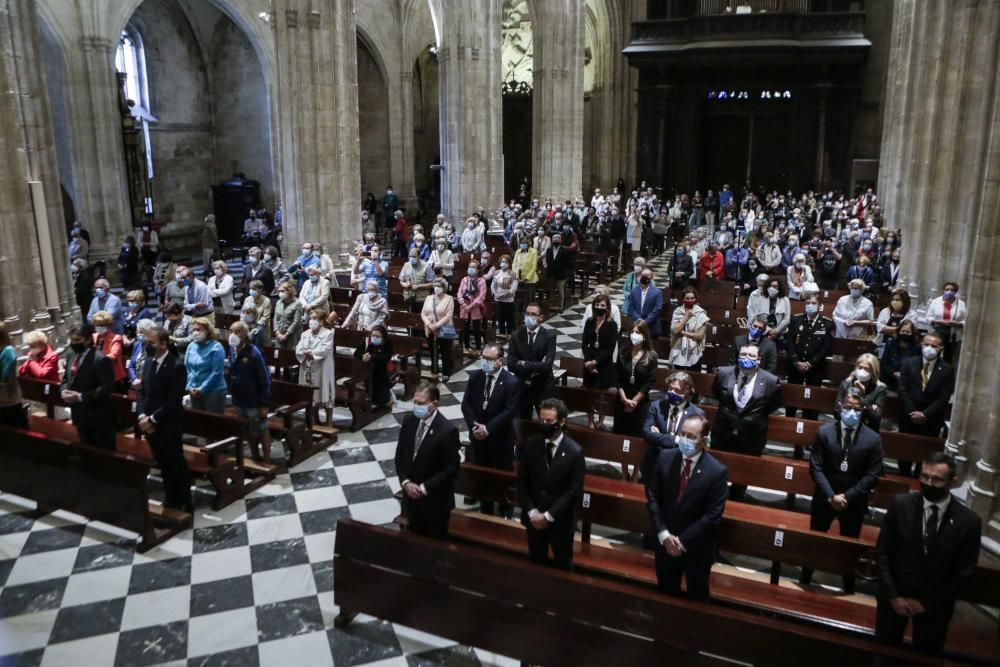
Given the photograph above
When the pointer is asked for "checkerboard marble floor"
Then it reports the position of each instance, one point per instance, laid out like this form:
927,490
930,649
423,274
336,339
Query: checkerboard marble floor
251,584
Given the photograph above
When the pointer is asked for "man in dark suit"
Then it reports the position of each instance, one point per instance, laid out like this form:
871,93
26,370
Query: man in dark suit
530,356
559,266
757,336
665,417
549,486
928,545
161,416
256,269
681,268
686,495
87,387
645,301
746,396
845,464
489,406
427,462
925,387
807,342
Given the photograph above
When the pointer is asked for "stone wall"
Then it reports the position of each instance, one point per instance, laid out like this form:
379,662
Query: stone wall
240,112
373,124
180,97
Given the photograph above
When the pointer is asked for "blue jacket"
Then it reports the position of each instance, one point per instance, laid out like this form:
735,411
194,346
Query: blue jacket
205,364
249,378
649,311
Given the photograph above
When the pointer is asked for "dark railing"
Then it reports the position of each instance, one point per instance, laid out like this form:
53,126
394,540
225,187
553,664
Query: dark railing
748,26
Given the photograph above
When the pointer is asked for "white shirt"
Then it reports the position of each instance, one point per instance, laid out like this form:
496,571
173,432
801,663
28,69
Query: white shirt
550,446
747,393
664,534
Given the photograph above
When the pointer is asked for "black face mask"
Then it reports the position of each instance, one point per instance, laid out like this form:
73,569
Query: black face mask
150,350
550,430
906,338
600,312
644,280
933,494
79,348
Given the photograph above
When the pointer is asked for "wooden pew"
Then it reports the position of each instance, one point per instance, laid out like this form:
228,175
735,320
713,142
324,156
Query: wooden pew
542,616
594,404
94,483
353,392
221,462
770,534
405,348
625,451
301,437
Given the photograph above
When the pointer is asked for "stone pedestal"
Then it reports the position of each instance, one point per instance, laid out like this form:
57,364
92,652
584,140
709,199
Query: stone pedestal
471,106
938,181
557,98
317,122
30,297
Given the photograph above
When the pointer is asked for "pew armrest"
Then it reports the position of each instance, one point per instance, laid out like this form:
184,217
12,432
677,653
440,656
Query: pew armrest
222,445
289,410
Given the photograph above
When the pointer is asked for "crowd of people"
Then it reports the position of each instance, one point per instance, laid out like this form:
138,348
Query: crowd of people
774,248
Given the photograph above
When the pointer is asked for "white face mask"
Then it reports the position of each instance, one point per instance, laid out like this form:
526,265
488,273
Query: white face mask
234,340
101,330
636,338
862,375
438,289
200,336
314,325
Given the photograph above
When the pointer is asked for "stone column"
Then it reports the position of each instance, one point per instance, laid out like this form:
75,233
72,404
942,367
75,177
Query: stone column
938,181
98,154
471,106
401,141
35,288
317,114
557,98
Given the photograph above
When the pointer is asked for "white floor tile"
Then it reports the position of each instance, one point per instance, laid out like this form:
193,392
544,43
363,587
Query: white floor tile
360,472
286,583
376,511
39,567
157,607
92,652
88,587
310,649
274,528
26,632
220,564
320,499
220,632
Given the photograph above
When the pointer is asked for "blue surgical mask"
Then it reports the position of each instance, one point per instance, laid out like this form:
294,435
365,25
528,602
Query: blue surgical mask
421,411
674,398
812,308
855,293
850,418
100,292
524,246
414,261
687,446
755,333
530,322
487,366
377,342
748,364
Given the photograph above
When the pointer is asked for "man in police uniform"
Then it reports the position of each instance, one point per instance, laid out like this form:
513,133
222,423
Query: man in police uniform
808,342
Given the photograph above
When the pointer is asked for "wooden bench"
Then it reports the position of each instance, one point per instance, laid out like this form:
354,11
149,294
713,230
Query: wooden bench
404,347
94,483
770,534
593,403
625,451
302,437
543,616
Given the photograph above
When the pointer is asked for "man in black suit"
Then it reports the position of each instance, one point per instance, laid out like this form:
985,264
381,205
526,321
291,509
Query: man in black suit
161,416
427,462
489,407
530,357
746,396
807,342
925,387
757,336
928,545
558,269
665,417
686,495
549,486
845,464
256,269
87,387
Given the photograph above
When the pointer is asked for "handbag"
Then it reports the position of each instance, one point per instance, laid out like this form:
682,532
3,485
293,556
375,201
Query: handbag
447,331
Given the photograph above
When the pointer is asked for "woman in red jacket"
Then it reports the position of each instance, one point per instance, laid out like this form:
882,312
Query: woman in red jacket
42,362
110,343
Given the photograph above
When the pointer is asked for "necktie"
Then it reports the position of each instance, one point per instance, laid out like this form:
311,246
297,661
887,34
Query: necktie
744,383
848,441
421,432
531,339
489,388
931,527
674,413
550,452
76,367
685,476
925,373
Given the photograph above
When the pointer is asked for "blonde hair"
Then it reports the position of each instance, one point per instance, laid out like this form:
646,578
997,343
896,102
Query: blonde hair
290,286
873,363
102,318
219,264
205,324
35,337
136,294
